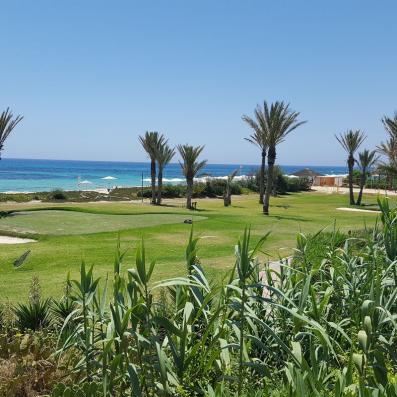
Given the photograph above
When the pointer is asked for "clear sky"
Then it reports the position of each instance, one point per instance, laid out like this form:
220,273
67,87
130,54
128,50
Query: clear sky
89,76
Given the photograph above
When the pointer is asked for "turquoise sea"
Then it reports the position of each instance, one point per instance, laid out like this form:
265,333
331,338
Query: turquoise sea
26,175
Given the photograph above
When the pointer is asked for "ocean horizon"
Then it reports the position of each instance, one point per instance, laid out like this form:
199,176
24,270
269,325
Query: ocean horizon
34,175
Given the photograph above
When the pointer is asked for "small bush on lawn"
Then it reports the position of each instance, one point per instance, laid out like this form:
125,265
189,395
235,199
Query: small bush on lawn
59,195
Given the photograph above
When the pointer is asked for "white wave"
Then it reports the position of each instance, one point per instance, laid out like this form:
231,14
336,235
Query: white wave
200,179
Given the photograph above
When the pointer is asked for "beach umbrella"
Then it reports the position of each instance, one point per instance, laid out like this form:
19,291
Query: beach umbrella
306,173
109,178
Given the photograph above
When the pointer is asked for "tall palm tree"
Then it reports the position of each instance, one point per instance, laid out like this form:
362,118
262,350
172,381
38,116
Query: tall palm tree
278,121
366,160
190,167
7,124
351,141
164,155
227,194
151,142
259,139
388,149
390,125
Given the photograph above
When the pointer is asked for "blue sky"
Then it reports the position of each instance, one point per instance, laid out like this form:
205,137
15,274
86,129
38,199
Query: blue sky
89,76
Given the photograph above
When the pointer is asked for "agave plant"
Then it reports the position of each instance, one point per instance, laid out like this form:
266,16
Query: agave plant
33,316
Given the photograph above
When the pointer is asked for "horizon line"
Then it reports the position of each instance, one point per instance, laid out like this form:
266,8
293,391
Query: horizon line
148,162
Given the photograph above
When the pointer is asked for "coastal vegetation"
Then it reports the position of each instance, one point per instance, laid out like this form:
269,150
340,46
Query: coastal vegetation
72,233
319,324
170,317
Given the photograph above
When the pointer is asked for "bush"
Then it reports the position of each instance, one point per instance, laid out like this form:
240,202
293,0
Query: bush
327,322
58,194
33,316
169,191
211,188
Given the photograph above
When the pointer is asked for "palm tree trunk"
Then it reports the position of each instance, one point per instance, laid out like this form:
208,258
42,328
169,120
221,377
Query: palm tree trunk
227,196
362,184
189,192
271,159
153,178
160,185
262,177
350,164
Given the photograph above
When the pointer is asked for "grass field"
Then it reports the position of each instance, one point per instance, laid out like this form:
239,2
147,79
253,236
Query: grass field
69,233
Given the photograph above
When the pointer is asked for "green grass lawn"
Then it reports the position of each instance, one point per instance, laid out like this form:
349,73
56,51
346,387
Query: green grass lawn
70,233
60,222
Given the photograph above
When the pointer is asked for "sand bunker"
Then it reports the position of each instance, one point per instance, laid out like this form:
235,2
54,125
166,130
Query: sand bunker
15,240
357,210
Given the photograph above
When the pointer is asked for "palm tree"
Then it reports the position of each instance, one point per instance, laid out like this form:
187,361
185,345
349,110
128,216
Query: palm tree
278,121
7,124
390,125
351,141
151,142
227,194
190,167
258,138
389,148
366,160
164,155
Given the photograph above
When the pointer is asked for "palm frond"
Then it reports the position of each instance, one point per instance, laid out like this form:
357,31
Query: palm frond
190,166
164,154
7,124
151,142
367,159
351,140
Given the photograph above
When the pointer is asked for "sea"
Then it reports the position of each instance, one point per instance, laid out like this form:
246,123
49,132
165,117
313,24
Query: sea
28,175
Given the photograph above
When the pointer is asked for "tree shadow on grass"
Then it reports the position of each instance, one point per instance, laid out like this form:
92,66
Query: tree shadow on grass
290,218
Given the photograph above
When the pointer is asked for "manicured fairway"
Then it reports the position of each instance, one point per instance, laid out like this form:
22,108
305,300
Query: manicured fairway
90,232
57,222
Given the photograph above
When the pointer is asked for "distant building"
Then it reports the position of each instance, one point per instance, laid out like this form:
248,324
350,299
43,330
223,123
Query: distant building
329,180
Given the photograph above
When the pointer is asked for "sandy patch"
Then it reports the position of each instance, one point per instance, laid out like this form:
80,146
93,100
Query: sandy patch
15,240
357,210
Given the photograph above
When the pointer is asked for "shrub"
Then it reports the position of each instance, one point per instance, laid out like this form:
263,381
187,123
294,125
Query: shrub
59,194
326,323
33,316
169,191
